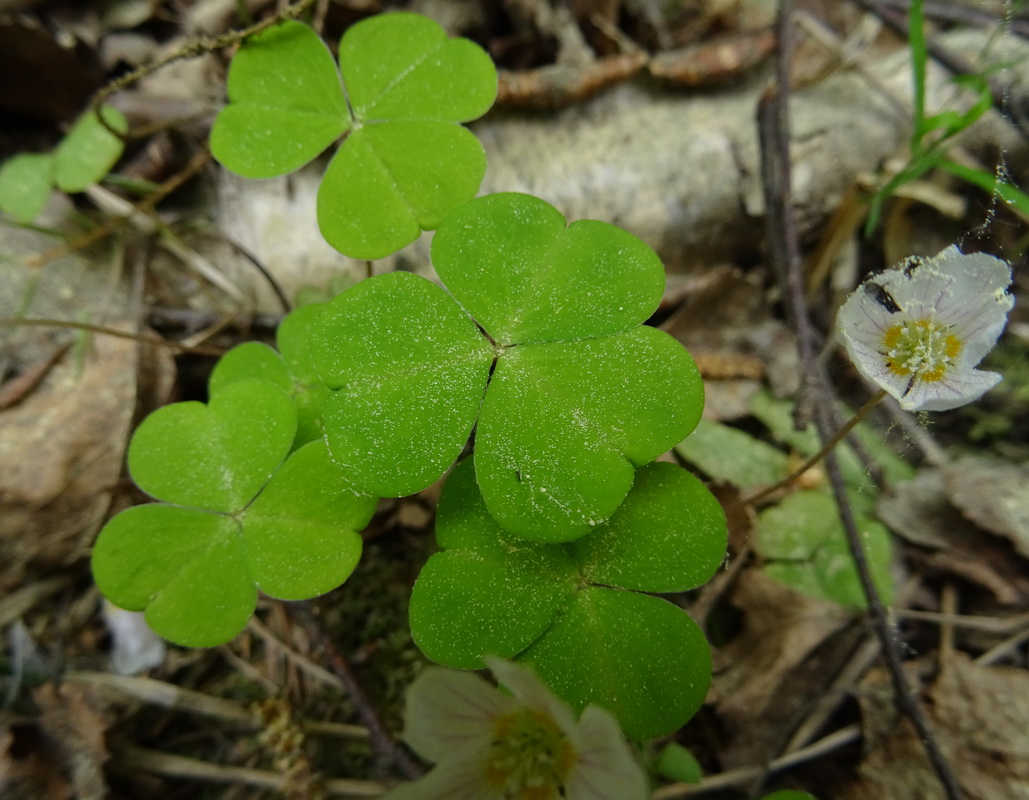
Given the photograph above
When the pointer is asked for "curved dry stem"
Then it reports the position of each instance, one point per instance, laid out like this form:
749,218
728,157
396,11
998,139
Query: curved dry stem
783,243
90,327
192,50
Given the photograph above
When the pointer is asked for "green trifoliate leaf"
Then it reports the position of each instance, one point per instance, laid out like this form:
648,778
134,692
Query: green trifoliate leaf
290,369
668,536
293,339
640,657
527,277
490,592
404,67
186,568
301,531
196,572
805,546
409,368
215,456
406,162
391,181
286,103
248,361
89,150
26,181
309,392
563,423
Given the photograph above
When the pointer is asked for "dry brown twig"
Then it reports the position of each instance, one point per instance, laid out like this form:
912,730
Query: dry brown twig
783,244
106,331
192,50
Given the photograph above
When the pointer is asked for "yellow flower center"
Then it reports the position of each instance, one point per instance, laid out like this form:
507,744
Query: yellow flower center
922,349
530,757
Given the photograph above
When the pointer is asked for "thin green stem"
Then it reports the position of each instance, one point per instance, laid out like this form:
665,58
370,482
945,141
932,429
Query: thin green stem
862,412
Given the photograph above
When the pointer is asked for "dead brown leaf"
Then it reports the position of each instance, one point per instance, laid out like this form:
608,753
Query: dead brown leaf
920,511
979,716
994,495
773,668
724,321
60,754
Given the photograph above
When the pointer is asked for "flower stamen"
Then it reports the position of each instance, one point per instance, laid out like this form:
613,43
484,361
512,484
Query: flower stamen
923,349
531,756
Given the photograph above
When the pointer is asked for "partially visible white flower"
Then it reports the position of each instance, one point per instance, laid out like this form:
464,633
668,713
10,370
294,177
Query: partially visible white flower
526,745
134,647
919,331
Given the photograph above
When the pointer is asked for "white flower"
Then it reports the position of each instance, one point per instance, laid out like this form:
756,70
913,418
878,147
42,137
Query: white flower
918,331
526,745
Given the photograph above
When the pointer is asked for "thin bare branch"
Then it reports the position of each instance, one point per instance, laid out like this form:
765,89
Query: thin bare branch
784,249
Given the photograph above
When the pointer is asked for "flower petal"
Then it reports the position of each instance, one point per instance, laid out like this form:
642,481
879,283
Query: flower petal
451,713
974,302
606,768
959,389
457,779
533,693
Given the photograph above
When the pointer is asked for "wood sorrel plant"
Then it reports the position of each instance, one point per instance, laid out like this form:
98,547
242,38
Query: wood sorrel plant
555,534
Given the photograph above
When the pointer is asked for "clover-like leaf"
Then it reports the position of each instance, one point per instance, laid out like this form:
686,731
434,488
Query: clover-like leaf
564,425
301,530
83,157
671,537
484,594
409,368
215,456
241,519
248,361
286,103
290,369
404,67
804,545
566,417
679,764
185,568
526,276
639,656
26,181
88,151
489,592
391,181
406,161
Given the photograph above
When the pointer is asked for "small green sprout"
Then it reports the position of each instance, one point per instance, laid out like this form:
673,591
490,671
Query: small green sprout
83,157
